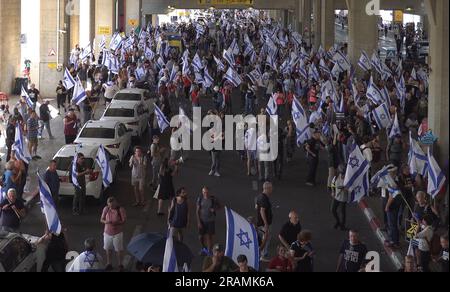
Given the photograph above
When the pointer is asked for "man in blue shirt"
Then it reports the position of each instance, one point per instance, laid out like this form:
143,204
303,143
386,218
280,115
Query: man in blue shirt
52,179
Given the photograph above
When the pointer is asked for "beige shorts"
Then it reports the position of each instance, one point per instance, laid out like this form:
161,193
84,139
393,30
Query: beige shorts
138,182
113,242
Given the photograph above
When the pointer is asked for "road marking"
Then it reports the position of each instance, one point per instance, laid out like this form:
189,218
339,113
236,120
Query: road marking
128,260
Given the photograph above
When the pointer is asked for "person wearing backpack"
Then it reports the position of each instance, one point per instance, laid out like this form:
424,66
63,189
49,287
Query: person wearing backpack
207,206
178,218
114,218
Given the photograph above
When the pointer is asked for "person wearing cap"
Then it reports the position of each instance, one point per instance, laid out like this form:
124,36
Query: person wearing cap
219,263
340,198
243,265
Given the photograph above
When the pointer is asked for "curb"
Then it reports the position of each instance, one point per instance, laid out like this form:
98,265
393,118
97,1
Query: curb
396,257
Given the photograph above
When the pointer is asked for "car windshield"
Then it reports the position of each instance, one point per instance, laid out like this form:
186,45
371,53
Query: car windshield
119,112
128,96
102,133
64,163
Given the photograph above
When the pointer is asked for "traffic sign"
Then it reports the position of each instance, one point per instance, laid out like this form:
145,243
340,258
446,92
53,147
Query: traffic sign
52,53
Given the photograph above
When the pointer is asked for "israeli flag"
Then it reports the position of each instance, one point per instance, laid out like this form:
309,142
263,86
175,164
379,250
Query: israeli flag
163,122
342,61
160,63
199,78
208,80
361,190
102,160
324,67
116,42
255,77
48,207
376,63
382,116
2,194
200,30
399,69
173,74
234,48
301,122
74,171
385,96
86,52
170,264
220,65
302,70
242,239
149,54
186,70
102,44
297,38
228,56
436,177
303,53
26,97
382,179
314,73
356,175
197,63
414,75
272,107
364,62
373,93
69,81
19,146
79,94
417,160
336,71
140,73
387,73
271,62
321,52
395,130
400,90
233,77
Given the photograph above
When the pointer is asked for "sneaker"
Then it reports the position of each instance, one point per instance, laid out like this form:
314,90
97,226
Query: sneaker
211,173
217,174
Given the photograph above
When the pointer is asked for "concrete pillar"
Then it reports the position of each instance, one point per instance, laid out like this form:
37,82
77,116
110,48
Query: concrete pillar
317,11
104,20
306,20
328,24
74,30
363,31
132,14
9,43
48,73
86,22
438,84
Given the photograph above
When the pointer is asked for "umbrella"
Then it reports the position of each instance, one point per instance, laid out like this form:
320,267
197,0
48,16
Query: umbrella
149,248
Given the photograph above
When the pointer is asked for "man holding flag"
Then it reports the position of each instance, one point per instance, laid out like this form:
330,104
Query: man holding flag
78,177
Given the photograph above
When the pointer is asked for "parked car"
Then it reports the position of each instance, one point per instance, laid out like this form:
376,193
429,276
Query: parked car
134,116
137,95
17,252
113,135
94,183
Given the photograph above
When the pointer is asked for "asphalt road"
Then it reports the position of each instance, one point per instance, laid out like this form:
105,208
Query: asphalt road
234,189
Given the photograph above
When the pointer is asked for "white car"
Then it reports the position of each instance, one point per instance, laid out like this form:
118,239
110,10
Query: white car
113,135
94,182
17,252
137,95
134,116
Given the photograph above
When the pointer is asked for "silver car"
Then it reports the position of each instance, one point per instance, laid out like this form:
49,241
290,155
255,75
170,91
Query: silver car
17,252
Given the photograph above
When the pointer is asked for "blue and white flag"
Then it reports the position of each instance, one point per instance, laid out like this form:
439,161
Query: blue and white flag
48,207
197,63
149,54
321,52
79,94
395,130
2,194
186,70
301,122
382,116
233,77
324,67
170,264
373,93
102,160
102,44
116,42
302,70
86,52
399,69
314,73
272,107
19,146
199,78
270,61
376,63
228,56
69,81
400,90
26,97
208,80
303,53
342,61
387,73
74,171
220,65
356,175
364,62
342,105
200,30
436,177
414,75
417,160
173,74
140,73
242,239
385,96
163,122
234,48
255,77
